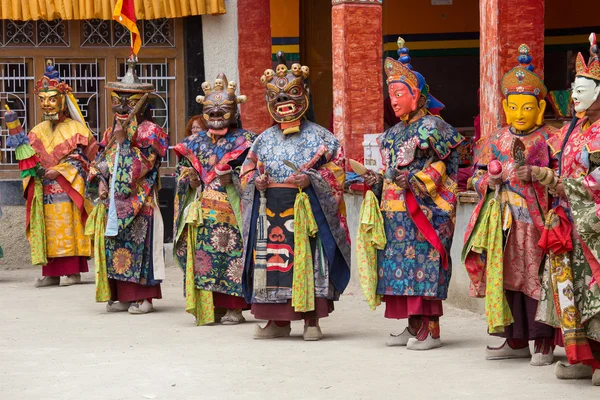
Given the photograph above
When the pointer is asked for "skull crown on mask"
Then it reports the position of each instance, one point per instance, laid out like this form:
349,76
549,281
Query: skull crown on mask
219,104
287,92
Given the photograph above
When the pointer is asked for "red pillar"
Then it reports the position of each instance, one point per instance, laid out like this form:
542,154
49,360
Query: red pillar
504,25
357,71
254,57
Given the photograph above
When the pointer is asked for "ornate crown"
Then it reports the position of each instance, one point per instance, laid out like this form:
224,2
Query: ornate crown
400,70
51,81
592,69
522,79
219,86
282,71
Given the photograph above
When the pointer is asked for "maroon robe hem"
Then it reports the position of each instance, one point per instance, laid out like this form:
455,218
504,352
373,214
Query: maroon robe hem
402,307
525,327
229,302
285,311
63,266
128,292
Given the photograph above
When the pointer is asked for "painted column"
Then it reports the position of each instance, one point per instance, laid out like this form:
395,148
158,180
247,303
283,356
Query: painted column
504,25
254,57
357,71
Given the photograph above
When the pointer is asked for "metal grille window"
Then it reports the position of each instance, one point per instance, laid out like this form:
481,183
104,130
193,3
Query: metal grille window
86,63
34,33
100,33
87,79
97,32
16,82
158,32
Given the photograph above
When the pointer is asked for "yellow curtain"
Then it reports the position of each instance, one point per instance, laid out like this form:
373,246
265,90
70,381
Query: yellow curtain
23,10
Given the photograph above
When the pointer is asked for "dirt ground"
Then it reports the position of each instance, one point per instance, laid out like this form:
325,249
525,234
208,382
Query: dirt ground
57,343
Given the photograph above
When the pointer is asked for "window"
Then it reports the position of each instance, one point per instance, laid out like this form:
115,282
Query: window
36,33
100,33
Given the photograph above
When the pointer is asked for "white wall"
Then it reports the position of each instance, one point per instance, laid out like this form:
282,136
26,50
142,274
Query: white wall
458,293
220,36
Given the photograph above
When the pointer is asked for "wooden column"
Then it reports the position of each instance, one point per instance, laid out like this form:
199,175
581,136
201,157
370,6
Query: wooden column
254,57
357,71
504,25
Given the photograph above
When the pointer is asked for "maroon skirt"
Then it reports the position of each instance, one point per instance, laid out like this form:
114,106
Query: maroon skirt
525,327
285,311
595,346
229,302
128,292
401,307
63,266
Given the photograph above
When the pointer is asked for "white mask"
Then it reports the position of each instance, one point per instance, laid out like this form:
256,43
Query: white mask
585,93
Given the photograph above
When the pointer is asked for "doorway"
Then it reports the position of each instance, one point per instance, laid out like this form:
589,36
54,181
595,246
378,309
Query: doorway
315,52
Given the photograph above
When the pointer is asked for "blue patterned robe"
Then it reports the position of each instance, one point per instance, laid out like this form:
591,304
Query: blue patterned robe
425,149
316,152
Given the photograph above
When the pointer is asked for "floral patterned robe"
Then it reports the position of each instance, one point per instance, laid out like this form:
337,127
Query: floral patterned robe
419,222
524,208
570,296
218,262
130,255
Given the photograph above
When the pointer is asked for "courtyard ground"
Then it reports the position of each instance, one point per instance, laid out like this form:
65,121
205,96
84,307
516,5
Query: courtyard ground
57,343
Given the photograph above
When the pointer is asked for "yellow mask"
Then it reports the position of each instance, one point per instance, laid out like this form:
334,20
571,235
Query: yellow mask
52,103
524,112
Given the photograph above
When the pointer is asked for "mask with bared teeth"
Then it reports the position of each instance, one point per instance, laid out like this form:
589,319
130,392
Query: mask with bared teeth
287,95
220,105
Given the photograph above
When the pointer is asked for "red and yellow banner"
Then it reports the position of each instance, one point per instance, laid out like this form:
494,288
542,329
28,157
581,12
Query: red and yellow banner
124,13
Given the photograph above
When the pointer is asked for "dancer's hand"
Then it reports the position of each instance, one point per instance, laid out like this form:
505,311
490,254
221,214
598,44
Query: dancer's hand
558,190
51,174
262,182
301,180
494,181
402,180
194,178
524,173
102,191
226,179
119,133
372,178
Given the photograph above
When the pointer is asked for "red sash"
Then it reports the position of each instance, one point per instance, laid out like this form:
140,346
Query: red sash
557,238
425,226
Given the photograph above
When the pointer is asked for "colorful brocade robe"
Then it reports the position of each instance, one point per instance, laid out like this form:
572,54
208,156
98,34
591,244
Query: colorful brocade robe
570,297
67,147
524,207
130,171
316,152
218,262
419,221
